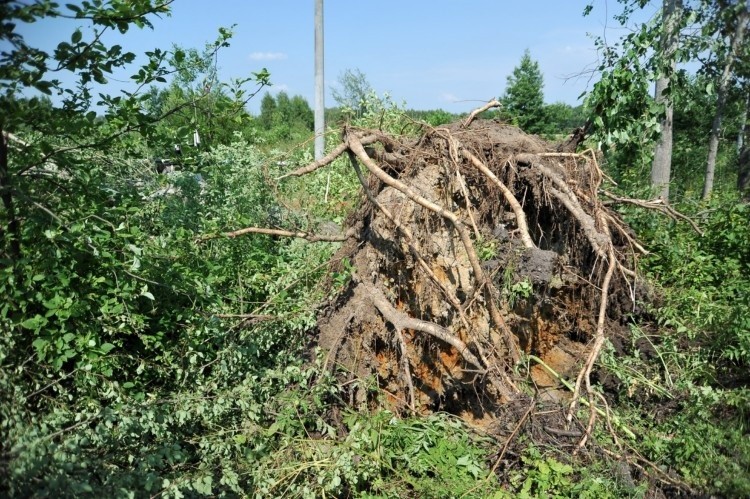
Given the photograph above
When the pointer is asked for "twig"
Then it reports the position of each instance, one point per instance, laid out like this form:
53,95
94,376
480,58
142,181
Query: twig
510,439
658,205
264,317
62,378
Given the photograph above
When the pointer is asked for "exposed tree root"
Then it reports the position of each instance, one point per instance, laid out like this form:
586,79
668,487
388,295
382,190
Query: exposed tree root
474,245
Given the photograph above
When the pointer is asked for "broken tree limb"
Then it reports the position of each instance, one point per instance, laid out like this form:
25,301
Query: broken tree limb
327,159
334,238
658,205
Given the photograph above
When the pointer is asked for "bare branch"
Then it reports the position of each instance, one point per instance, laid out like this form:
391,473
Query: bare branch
327,159
277,232
658,205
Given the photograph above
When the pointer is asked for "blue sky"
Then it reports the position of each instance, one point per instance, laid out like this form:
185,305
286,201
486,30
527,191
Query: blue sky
449,54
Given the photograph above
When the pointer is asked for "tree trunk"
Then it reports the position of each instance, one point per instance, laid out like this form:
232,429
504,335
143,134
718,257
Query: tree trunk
743,122
743,152
721,98
662,165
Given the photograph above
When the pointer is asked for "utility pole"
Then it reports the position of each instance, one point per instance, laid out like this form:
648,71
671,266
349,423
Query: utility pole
320,127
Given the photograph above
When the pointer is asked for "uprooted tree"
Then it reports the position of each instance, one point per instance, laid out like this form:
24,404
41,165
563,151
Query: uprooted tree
473,245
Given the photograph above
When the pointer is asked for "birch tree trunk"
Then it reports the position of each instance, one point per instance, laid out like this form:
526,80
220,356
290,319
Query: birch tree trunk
662,165
721,98
743,121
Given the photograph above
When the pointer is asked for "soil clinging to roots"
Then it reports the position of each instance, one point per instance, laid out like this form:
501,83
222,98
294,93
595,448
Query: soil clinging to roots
475,245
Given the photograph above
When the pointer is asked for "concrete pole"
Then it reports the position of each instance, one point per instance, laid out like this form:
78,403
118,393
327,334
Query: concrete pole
320,127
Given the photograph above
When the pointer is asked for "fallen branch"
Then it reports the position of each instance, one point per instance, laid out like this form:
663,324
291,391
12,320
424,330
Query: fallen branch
658,205
327,159
334,238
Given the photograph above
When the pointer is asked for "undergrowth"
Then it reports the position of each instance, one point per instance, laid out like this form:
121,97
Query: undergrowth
684,386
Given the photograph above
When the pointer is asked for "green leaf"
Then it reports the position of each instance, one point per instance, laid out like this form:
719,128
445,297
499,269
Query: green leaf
203,485
39,344
34,323
106,347
77,36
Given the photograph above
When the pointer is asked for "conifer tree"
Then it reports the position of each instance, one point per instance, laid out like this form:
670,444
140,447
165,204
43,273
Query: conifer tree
523,100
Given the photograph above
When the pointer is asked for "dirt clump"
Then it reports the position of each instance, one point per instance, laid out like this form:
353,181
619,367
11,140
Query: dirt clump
474,245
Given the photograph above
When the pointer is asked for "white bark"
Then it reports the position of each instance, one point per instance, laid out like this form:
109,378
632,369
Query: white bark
743,122
721,98
662,166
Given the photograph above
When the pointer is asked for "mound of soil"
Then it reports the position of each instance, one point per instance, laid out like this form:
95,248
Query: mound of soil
474,244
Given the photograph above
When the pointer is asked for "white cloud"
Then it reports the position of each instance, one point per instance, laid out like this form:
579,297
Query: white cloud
267,56
448,97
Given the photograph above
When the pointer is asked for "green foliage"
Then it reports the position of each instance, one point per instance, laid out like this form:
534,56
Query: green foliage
542,475
708,287
699,357
562,118
625,120
522,290
381,456
693,114
435,117
197,109
285,119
